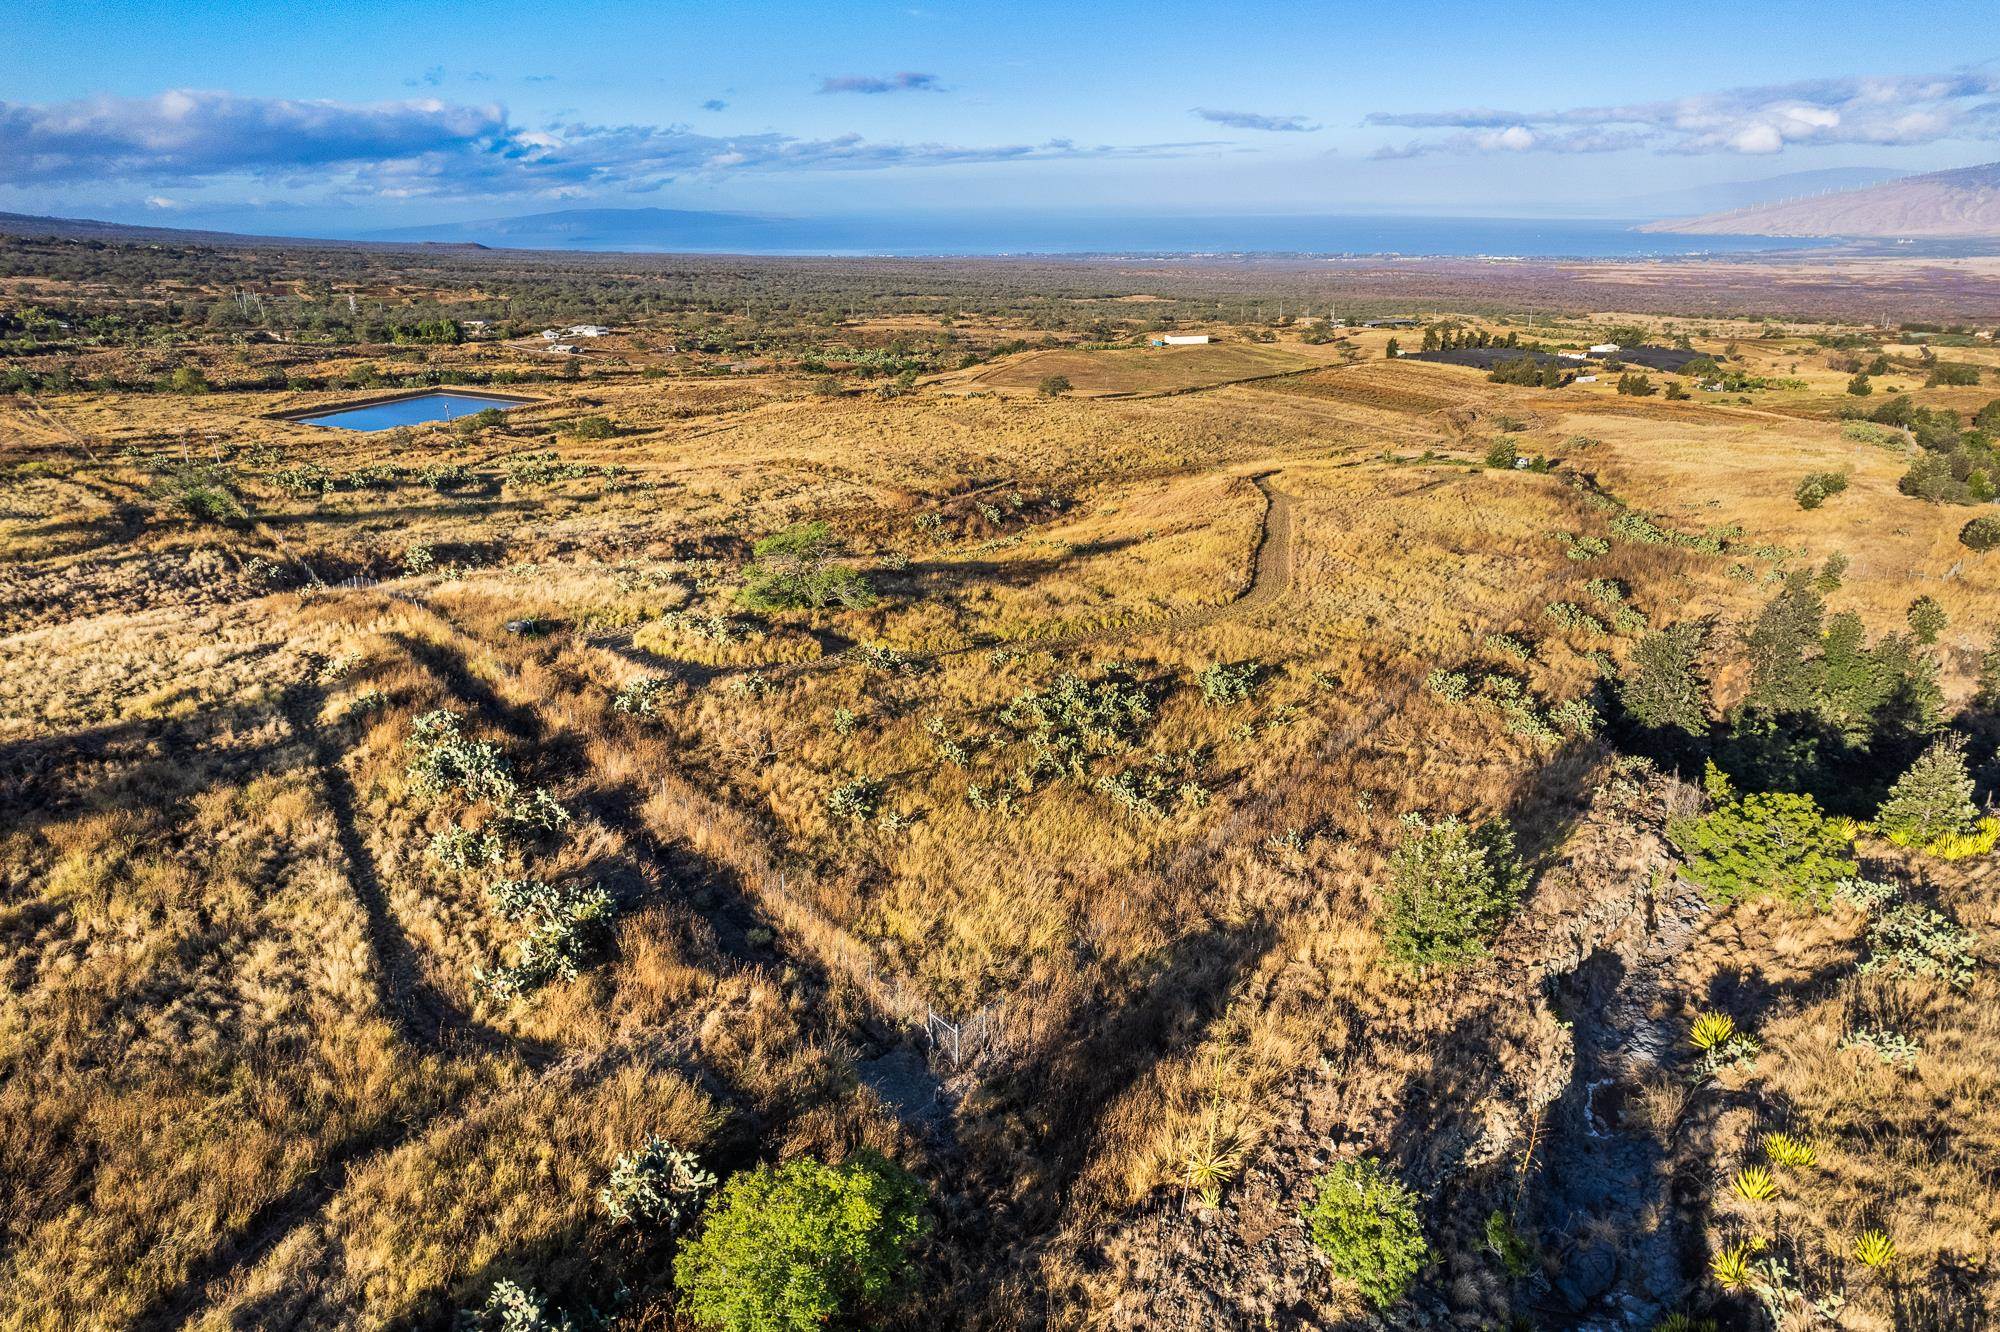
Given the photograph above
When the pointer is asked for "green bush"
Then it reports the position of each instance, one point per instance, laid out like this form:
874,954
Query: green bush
567,926
1664,687
205,492
591,427
1916,940
1053,386
657,1187
1076,720
1765,842
512,1307
1818,487
1365,1221
1452,887
1223,683
1926,618
795,568
792,1248
1933,800
1981,533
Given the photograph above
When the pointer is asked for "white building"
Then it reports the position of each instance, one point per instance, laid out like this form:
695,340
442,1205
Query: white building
1584,379
551,334
586,330
1186,339
1604,349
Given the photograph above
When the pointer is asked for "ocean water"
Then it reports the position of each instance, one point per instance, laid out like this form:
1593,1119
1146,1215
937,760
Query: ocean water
1457,237
425,407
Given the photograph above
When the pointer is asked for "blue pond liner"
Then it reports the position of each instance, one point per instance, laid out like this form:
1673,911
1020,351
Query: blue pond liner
418,409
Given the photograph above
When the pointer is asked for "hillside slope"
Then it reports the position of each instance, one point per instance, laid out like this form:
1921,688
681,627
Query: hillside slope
1965,202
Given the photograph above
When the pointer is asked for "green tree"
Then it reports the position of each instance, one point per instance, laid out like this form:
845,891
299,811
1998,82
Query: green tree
796,568
1933,800
1986,696
1053,386
1927,619
1764,842
1365,1221
1859,385
1393,350
1784,669
1452,887
790,1248
1664,689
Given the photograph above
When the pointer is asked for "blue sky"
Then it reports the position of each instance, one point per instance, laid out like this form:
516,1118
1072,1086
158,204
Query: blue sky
348,116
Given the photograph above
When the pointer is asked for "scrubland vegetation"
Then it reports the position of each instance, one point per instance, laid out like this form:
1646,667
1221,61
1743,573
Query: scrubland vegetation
807,824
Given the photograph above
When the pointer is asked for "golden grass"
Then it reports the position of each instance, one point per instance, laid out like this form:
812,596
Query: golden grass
248,1077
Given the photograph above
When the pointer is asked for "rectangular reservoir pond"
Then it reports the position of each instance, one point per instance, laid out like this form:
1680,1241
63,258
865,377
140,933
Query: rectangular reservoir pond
416,409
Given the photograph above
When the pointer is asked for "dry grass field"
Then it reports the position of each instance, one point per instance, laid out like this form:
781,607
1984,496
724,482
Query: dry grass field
254,1068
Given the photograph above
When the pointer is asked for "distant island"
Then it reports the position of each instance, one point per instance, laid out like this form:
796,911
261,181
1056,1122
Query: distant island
1943,204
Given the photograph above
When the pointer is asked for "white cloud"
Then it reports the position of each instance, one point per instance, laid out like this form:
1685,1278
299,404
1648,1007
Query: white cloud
429,148
1890,111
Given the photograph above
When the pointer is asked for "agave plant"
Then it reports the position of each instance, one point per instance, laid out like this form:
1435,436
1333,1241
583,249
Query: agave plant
1754,1184
1787,1150
1731,1267
1875,1248
1712,1030
1210,1162
1684,1322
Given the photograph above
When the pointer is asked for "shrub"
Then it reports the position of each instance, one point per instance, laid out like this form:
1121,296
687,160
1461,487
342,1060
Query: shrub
1365,1221
462,849
1636,386
855,800
658,1186
1982,533
1926,618
1053,386
1075,720
1507,1244
1223,683
591,427
1663,688
1765,842
1931,801
1817,487
1916,940
1859,386
795,568
640,696
790,1248
512,1307
1452,887
443,761
205,492
1502,452
567,925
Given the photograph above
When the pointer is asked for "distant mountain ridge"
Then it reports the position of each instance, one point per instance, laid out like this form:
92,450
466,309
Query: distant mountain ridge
1963,203
1729,195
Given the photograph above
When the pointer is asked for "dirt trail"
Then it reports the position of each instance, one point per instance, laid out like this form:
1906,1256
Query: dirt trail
1270,579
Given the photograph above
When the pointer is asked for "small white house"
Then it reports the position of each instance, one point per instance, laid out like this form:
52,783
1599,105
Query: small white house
1570,356
1604,349
1584,379
1186,339
564,348
551,334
